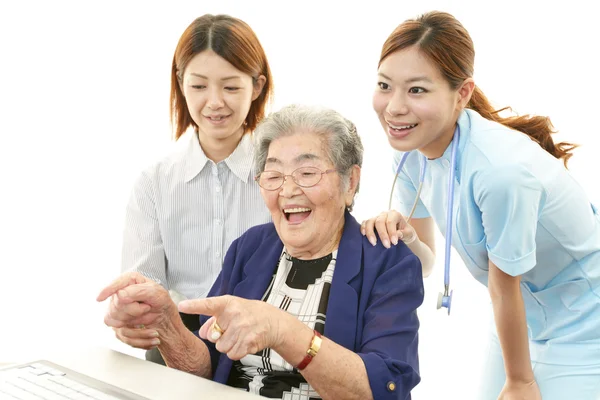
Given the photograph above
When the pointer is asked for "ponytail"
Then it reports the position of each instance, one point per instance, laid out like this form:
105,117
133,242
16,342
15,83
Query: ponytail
536,127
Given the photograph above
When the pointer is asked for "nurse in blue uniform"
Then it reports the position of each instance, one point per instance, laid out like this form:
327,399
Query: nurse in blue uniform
521,224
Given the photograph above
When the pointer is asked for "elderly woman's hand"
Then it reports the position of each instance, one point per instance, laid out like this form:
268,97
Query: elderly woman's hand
248,326
137,308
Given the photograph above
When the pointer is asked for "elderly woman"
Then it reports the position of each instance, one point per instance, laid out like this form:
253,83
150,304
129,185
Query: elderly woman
305,307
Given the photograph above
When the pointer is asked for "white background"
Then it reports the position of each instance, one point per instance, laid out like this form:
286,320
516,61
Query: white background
84,90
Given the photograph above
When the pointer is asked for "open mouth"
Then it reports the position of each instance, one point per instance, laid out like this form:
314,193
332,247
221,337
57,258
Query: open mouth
400,131
296,215
401,128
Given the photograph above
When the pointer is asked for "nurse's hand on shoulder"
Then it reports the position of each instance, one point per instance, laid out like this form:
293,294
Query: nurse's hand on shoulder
391,227
138,307
520,391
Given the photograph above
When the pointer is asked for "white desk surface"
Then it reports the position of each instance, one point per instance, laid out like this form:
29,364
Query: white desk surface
144,378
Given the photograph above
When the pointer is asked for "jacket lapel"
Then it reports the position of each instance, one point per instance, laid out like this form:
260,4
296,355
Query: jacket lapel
342,309
259,268
257,274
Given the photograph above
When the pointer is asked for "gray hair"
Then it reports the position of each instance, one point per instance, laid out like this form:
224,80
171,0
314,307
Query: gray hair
344,146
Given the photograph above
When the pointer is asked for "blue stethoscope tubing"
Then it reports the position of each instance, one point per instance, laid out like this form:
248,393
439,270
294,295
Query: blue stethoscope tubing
445,298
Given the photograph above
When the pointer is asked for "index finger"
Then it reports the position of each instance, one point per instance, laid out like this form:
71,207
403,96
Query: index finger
369,228
382,229
394,225
209,306
129,278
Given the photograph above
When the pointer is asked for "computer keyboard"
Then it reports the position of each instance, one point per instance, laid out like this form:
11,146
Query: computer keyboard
37,381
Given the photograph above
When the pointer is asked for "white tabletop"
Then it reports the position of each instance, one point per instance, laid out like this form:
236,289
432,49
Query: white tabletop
144,378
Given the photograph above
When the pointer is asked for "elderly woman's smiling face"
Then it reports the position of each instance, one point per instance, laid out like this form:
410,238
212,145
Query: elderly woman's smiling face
310,220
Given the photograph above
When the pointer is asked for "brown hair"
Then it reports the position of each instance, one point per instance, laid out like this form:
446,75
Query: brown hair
443,39
236,42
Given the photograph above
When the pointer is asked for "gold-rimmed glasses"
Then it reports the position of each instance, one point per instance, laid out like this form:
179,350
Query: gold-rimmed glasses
304,177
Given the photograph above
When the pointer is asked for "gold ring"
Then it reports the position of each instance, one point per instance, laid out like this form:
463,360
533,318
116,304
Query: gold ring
217,328
217,332
142,326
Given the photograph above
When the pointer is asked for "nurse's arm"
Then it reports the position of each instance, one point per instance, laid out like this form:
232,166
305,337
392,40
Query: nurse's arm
424,245
509,314
391,225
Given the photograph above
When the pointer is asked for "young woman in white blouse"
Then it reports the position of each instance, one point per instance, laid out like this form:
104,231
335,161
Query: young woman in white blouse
185,210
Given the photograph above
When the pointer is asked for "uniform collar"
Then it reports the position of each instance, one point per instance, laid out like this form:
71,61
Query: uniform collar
464,126
239,162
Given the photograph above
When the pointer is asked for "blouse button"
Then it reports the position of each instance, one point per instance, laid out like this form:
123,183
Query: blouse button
391,386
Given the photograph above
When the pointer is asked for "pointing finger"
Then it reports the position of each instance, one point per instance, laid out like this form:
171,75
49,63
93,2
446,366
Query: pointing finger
121,282
210,306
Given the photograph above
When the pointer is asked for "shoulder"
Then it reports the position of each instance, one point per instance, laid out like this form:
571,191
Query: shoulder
511,190
497,157
492,144
396,264
400,257
172,164
254,237
248,255
504,187
375,258
394,274
509,176
170,169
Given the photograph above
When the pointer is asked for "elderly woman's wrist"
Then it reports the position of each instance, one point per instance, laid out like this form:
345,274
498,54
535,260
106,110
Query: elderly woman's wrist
182,350
171,324
172,335
295,341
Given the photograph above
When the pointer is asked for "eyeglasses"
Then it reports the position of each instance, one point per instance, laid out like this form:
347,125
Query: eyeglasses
303,177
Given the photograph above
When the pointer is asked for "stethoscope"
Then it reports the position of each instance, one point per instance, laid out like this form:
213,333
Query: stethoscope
445,298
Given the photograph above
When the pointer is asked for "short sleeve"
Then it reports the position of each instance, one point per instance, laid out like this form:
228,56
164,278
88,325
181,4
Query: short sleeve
405,191
510,199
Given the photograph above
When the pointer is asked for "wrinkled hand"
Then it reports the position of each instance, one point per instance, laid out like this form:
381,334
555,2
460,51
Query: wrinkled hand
520,391
249,325
138,307
390,226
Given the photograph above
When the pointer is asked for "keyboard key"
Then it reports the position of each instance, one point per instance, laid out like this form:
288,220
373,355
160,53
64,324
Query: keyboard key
39,381
18,393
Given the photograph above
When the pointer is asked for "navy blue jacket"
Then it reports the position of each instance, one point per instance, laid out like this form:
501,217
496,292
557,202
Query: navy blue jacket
372,304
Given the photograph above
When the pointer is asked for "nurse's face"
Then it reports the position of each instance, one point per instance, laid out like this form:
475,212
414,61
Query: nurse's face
416,106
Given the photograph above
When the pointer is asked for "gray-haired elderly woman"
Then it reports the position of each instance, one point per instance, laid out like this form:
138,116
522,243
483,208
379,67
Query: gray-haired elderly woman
305,307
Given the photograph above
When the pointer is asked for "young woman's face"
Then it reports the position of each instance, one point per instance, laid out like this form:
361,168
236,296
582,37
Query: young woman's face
415,104
218,95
